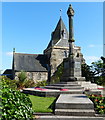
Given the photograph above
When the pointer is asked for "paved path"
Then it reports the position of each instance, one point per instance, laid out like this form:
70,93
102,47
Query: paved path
68,118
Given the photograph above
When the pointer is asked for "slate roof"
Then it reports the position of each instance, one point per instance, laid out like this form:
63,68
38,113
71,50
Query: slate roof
57,38
30,62
8,73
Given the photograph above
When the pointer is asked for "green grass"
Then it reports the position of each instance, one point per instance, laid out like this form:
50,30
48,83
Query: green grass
42,104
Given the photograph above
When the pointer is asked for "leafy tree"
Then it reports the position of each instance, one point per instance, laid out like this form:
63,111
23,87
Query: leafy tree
99,72
94,72
98,68
87,72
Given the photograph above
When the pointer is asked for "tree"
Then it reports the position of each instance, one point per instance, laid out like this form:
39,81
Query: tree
94,72
98,68
99,72
87,72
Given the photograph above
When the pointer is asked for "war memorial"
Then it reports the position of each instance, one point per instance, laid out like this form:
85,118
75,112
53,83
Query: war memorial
72,90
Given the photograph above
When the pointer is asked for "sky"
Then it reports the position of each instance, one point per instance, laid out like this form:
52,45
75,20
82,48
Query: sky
104,29
27,27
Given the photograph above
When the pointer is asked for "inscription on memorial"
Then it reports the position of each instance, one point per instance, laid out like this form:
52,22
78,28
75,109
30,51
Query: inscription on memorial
66,65
77,65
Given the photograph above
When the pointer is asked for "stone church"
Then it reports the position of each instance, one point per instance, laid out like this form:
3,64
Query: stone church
39,67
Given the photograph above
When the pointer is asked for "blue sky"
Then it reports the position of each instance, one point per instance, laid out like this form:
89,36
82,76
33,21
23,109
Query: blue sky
27,26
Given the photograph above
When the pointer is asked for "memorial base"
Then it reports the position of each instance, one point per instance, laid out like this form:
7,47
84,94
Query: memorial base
68,79
71,79
72,69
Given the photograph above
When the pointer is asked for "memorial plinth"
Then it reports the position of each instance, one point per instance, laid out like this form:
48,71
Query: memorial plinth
72,69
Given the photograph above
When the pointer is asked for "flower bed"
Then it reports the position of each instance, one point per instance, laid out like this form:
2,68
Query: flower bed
99,103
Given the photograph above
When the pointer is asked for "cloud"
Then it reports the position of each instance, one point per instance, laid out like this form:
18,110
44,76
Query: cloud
90,59
9,53
91,46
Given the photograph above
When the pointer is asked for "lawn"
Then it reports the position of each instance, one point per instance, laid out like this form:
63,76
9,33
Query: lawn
42,104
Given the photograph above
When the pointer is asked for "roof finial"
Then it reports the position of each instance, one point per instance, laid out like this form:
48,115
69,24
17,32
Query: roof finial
60,12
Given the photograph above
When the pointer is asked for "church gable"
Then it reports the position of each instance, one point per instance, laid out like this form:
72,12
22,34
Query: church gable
59,36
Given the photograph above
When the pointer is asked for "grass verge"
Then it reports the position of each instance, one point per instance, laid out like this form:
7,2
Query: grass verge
42,104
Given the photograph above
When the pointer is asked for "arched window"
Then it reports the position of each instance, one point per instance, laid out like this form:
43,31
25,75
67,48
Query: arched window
64,34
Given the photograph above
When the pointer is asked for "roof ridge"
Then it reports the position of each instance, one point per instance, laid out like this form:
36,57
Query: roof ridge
28,54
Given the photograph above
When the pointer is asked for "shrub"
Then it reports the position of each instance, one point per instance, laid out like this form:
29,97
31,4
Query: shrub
100,80
23,82
22,77
15,105
28,83
99,103
40,83
6,81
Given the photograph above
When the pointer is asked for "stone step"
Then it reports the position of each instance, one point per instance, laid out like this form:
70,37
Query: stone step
66,87
75,112
74,101
68,83
55,117
51,92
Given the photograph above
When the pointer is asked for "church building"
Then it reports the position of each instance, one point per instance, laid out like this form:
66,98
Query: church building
39,67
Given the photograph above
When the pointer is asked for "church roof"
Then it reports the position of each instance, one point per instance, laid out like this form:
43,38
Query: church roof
30,62
60,35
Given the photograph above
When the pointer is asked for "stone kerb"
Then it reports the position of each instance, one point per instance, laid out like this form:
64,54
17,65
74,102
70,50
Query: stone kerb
88,85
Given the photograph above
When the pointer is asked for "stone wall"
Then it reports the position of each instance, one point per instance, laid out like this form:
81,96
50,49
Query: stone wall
35,76
56,55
